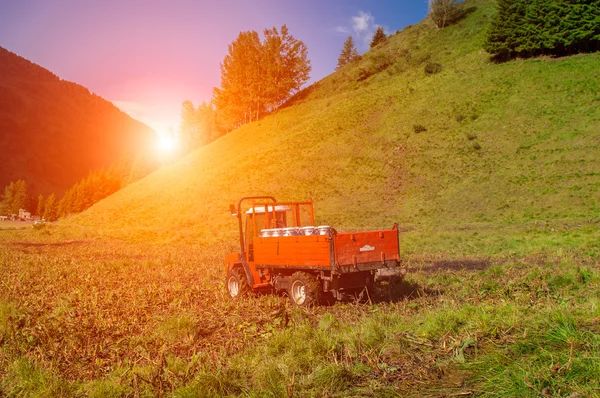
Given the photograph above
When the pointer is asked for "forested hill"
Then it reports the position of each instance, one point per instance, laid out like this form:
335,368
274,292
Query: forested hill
53,132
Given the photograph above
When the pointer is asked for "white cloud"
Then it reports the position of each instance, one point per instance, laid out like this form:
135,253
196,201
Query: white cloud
362,22
363,27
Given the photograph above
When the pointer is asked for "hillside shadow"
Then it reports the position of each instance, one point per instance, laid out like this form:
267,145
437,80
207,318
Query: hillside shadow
465,264
461,14
400,289
47,244
300,95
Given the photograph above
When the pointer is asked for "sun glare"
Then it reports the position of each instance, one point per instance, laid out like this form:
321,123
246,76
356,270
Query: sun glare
166,144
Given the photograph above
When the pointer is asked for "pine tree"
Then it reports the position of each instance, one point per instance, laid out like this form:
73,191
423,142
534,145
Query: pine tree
65,206
348,54
40,206
525,28
378,37
15,197
51,208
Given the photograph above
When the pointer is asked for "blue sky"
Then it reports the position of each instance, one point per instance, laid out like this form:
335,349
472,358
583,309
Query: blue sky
149,56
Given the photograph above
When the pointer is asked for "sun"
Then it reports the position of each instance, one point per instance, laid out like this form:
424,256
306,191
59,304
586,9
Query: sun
166,144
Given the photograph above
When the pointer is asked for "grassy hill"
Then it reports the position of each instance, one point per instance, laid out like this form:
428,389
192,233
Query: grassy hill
53,132
490,169
503,146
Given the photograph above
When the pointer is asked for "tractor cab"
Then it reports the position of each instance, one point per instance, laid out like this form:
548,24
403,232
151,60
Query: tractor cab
262,220
265,217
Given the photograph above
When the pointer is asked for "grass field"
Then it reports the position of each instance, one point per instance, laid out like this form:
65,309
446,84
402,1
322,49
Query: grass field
15,224
491,171
103,317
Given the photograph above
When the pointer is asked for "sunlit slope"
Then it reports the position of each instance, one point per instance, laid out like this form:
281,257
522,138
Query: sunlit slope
505,144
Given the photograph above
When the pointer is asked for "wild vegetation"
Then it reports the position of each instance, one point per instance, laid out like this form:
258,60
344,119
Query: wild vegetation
490,170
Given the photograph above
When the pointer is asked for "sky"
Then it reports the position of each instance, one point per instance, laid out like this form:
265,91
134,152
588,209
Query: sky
149,56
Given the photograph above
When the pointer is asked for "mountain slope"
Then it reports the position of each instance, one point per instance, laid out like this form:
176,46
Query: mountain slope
477,146
53,132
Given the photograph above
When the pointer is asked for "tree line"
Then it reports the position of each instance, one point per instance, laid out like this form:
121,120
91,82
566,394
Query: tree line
97,185
526,28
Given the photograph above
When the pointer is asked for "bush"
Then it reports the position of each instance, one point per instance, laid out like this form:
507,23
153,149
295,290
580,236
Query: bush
375,64
443,12
419,128
432,68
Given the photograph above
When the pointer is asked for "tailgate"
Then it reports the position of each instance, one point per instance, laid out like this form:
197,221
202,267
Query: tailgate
367,250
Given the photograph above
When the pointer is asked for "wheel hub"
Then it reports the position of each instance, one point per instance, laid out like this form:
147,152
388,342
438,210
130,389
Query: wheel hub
233,287
298,292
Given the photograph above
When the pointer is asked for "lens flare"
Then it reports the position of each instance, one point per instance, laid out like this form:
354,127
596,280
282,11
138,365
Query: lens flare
166,144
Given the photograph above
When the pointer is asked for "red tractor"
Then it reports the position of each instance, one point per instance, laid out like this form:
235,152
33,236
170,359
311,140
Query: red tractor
281,250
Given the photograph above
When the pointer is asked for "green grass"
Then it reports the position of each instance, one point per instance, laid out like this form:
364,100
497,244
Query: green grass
499,213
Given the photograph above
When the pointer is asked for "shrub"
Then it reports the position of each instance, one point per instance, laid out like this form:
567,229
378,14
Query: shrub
363,74
419,128
471,136
476,146
375,64
432,68
443,12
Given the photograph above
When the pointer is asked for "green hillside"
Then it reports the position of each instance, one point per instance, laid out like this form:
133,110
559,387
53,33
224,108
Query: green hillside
506,146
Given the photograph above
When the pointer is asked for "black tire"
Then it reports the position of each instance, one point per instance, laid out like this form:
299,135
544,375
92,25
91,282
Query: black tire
304,289
236,284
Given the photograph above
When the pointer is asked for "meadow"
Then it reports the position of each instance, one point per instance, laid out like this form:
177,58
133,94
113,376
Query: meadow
91,316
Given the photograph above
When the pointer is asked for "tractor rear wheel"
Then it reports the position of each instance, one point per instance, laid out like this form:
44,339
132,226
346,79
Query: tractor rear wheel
236,283
304,289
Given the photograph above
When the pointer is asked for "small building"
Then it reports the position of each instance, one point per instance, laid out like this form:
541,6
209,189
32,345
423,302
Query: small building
3,218
24,215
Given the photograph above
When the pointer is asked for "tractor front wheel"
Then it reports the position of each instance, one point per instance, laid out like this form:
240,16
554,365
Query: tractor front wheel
304,289
237,284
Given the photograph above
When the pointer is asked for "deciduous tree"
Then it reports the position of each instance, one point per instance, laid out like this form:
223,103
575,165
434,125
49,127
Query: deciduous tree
257,77
443,12
198,126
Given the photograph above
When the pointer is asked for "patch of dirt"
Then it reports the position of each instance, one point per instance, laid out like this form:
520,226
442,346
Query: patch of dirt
468,264
40,244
